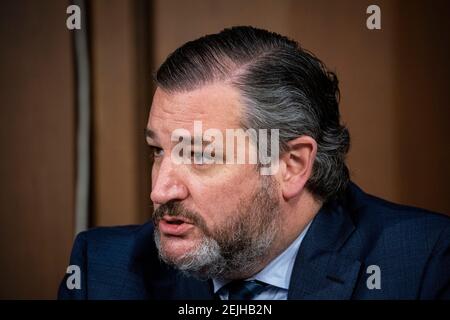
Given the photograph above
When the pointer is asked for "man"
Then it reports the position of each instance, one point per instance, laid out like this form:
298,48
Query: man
293,227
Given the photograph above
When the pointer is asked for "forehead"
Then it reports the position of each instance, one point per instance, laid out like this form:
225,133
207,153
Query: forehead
216,106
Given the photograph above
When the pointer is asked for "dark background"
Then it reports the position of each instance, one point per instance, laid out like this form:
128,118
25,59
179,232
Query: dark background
395,101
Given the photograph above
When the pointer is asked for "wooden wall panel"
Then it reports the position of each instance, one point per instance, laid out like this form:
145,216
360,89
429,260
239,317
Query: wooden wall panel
37,139
121,91
176,22
422,100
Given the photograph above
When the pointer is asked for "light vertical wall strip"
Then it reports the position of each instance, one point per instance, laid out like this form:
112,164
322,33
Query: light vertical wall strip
83,124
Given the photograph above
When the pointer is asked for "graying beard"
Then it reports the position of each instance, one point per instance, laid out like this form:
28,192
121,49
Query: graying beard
206,261
242,252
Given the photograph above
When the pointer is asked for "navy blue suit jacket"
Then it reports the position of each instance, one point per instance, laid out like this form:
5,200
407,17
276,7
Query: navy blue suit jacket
410,246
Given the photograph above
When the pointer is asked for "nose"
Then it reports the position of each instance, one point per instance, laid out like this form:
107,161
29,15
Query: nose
167,184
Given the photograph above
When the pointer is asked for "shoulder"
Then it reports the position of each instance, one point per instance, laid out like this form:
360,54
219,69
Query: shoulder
108,257
373,213
410,245
109,236
109,243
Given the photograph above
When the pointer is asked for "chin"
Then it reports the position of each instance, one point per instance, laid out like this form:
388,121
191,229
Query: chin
175,248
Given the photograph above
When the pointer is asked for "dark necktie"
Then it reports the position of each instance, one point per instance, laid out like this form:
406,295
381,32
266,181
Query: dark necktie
244,290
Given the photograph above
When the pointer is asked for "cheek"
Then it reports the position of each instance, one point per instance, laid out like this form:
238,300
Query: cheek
218,200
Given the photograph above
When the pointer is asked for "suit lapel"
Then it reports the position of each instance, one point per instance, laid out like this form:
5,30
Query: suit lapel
321,270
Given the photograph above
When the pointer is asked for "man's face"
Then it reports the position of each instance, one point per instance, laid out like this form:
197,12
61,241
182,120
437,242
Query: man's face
228,210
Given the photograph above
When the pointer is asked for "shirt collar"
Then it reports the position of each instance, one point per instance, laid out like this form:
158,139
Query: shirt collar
278,272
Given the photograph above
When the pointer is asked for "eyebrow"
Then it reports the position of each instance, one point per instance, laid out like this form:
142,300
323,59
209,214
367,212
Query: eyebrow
150,134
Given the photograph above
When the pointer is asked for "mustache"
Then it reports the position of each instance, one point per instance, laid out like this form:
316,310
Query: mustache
176,209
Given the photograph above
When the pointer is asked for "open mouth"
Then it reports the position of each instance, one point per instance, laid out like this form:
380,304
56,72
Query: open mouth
174,226
175,220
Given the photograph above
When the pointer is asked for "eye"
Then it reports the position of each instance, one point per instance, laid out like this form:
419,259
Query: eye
157,152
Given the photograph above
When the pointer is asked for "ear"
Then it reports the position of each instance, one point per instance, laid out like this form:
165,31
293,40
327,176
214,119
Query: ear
297,164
